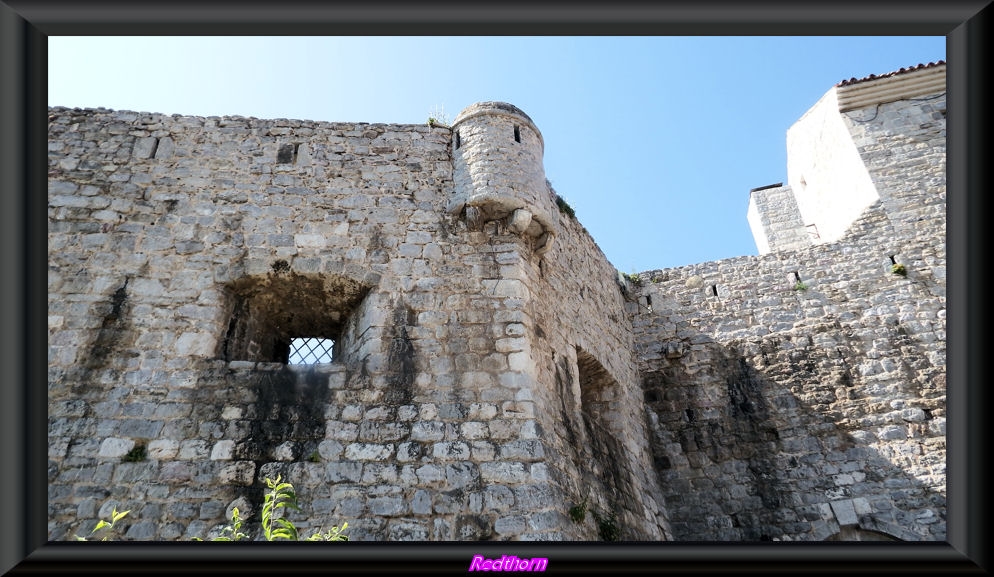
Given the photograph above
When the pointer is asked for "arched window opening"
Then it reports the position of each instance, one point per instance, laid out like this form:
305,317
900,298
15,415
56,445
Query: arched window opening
291,318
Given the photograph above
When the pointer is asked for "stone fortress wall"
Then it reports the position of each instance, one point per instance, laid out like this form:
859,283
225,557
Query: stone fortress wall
492,370
786,413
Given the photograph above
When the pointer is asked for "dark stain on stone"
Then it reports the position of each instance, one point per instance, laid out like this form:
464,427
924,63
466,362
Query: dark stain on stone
845,378
400,360
750,422
285,154
564,388
744,389
539,332
117,302
473,528
739,430
801,362
289,406
111,332
763,472
604,464
231,336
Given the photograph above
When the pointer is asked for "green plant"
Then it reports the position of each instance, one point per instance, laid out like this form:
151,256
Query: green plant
280,496
274,527
232,532
899,269
578,512
137,453
800,286
315,457
109,525
607,527
633,278
437,117
564,207
335,534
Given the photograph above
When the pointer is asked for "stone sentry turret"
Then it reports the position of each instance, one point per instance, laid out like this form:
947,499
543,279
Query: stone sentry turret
498,172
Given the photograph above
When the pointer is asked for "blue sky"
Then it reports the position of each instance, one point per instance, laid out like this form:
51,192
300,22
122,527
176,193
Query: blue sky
654,141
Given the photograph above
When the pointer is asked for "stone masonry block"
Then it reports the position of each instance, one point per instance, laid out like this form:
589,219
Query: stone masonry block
113,447
844,512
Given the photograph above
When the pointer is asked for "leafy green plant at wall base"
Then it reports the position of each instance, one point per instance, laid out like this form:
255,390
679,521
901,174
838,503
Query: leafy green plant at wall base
231,532
280,496
114,518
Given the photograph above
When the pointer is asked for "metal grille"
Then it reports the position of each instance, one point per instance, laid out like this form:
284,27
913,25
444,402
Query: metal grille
310,351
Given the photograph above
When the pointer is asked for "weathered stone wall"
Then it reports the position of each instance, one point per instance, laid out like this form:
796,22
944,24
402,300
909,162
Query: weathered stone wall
493,374
186,253
782,413
775,220
903,146
588,387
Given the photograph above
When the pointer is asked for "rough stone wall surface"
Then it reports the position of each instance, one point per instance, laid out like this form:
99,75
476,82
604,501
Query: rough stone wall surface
486,383
782,413
776,221
185,253
587,379
903,146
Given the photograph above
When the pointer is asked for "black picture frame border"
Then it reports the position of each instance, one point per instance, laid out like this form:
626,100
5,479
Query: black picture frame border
24,28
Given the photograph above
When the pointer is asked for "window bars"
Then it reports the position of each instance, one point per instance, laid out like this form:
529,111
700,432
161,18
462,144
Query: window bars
309,351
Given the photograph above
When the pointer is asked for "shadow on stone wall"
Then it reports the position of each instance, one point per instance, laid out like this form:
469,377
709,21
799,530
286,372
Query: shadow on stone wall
607,488
752,454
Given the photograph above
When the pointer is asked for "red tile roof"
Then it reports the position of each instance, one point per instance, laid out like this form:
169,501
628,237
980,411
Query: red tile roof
852,81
